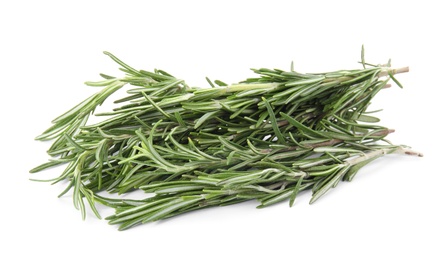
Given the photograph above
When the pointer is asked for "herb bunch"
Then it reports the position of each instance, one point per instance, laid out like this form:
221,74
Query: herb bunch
265,138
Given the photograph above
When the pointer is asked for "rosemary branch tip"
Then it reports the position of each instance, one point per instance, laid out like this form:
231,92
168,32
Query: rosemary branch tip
408,151
389,71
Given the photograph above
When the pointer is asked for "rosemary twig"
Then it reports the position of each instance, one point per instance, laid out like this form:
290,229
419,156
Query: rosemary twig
265,138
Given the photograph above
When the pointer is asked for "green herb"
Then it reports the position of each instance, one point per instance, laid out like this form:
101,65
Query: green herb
265,138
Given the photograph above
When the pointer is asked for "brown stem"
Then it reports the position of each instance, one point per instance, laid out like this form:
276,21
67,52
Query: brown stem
330,142
377,153
394,71
408,151
383,132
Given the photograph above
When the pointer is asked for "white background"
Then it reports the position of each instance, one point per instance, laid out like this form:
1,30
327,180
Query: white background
394,209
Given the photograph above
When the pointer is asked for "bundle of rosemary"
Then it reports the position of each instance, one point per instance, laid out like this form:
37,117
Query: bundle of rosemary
265,138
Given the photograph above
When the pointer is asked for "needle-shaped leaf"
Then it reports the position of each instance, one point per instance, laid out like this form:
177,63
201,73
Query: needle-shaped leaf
274,123
278,197
363,57
296,190
302,127
324,189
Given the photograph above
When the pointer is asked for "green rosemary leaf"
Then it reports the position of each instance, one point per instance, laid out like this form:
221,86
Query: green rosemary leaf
363,57
88,194
74,111
230,145
305,82
140,212
180,188
77,147
327,172
368,119
296,191
124,65
46,165
156,106
210,82
69,186
139,209
147,145
274,123
205,117
324,189
395,80
167,210
354,169
220,83
302,127
106,76
275,198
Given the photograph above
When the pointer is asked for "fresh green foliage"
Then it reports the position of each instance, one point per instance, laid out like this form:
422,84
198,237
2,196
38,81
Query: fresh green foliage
266,138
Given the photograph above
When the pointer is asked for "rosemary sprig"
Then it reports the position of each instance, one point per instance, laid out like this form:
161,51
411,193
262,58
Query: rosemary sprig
265,138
